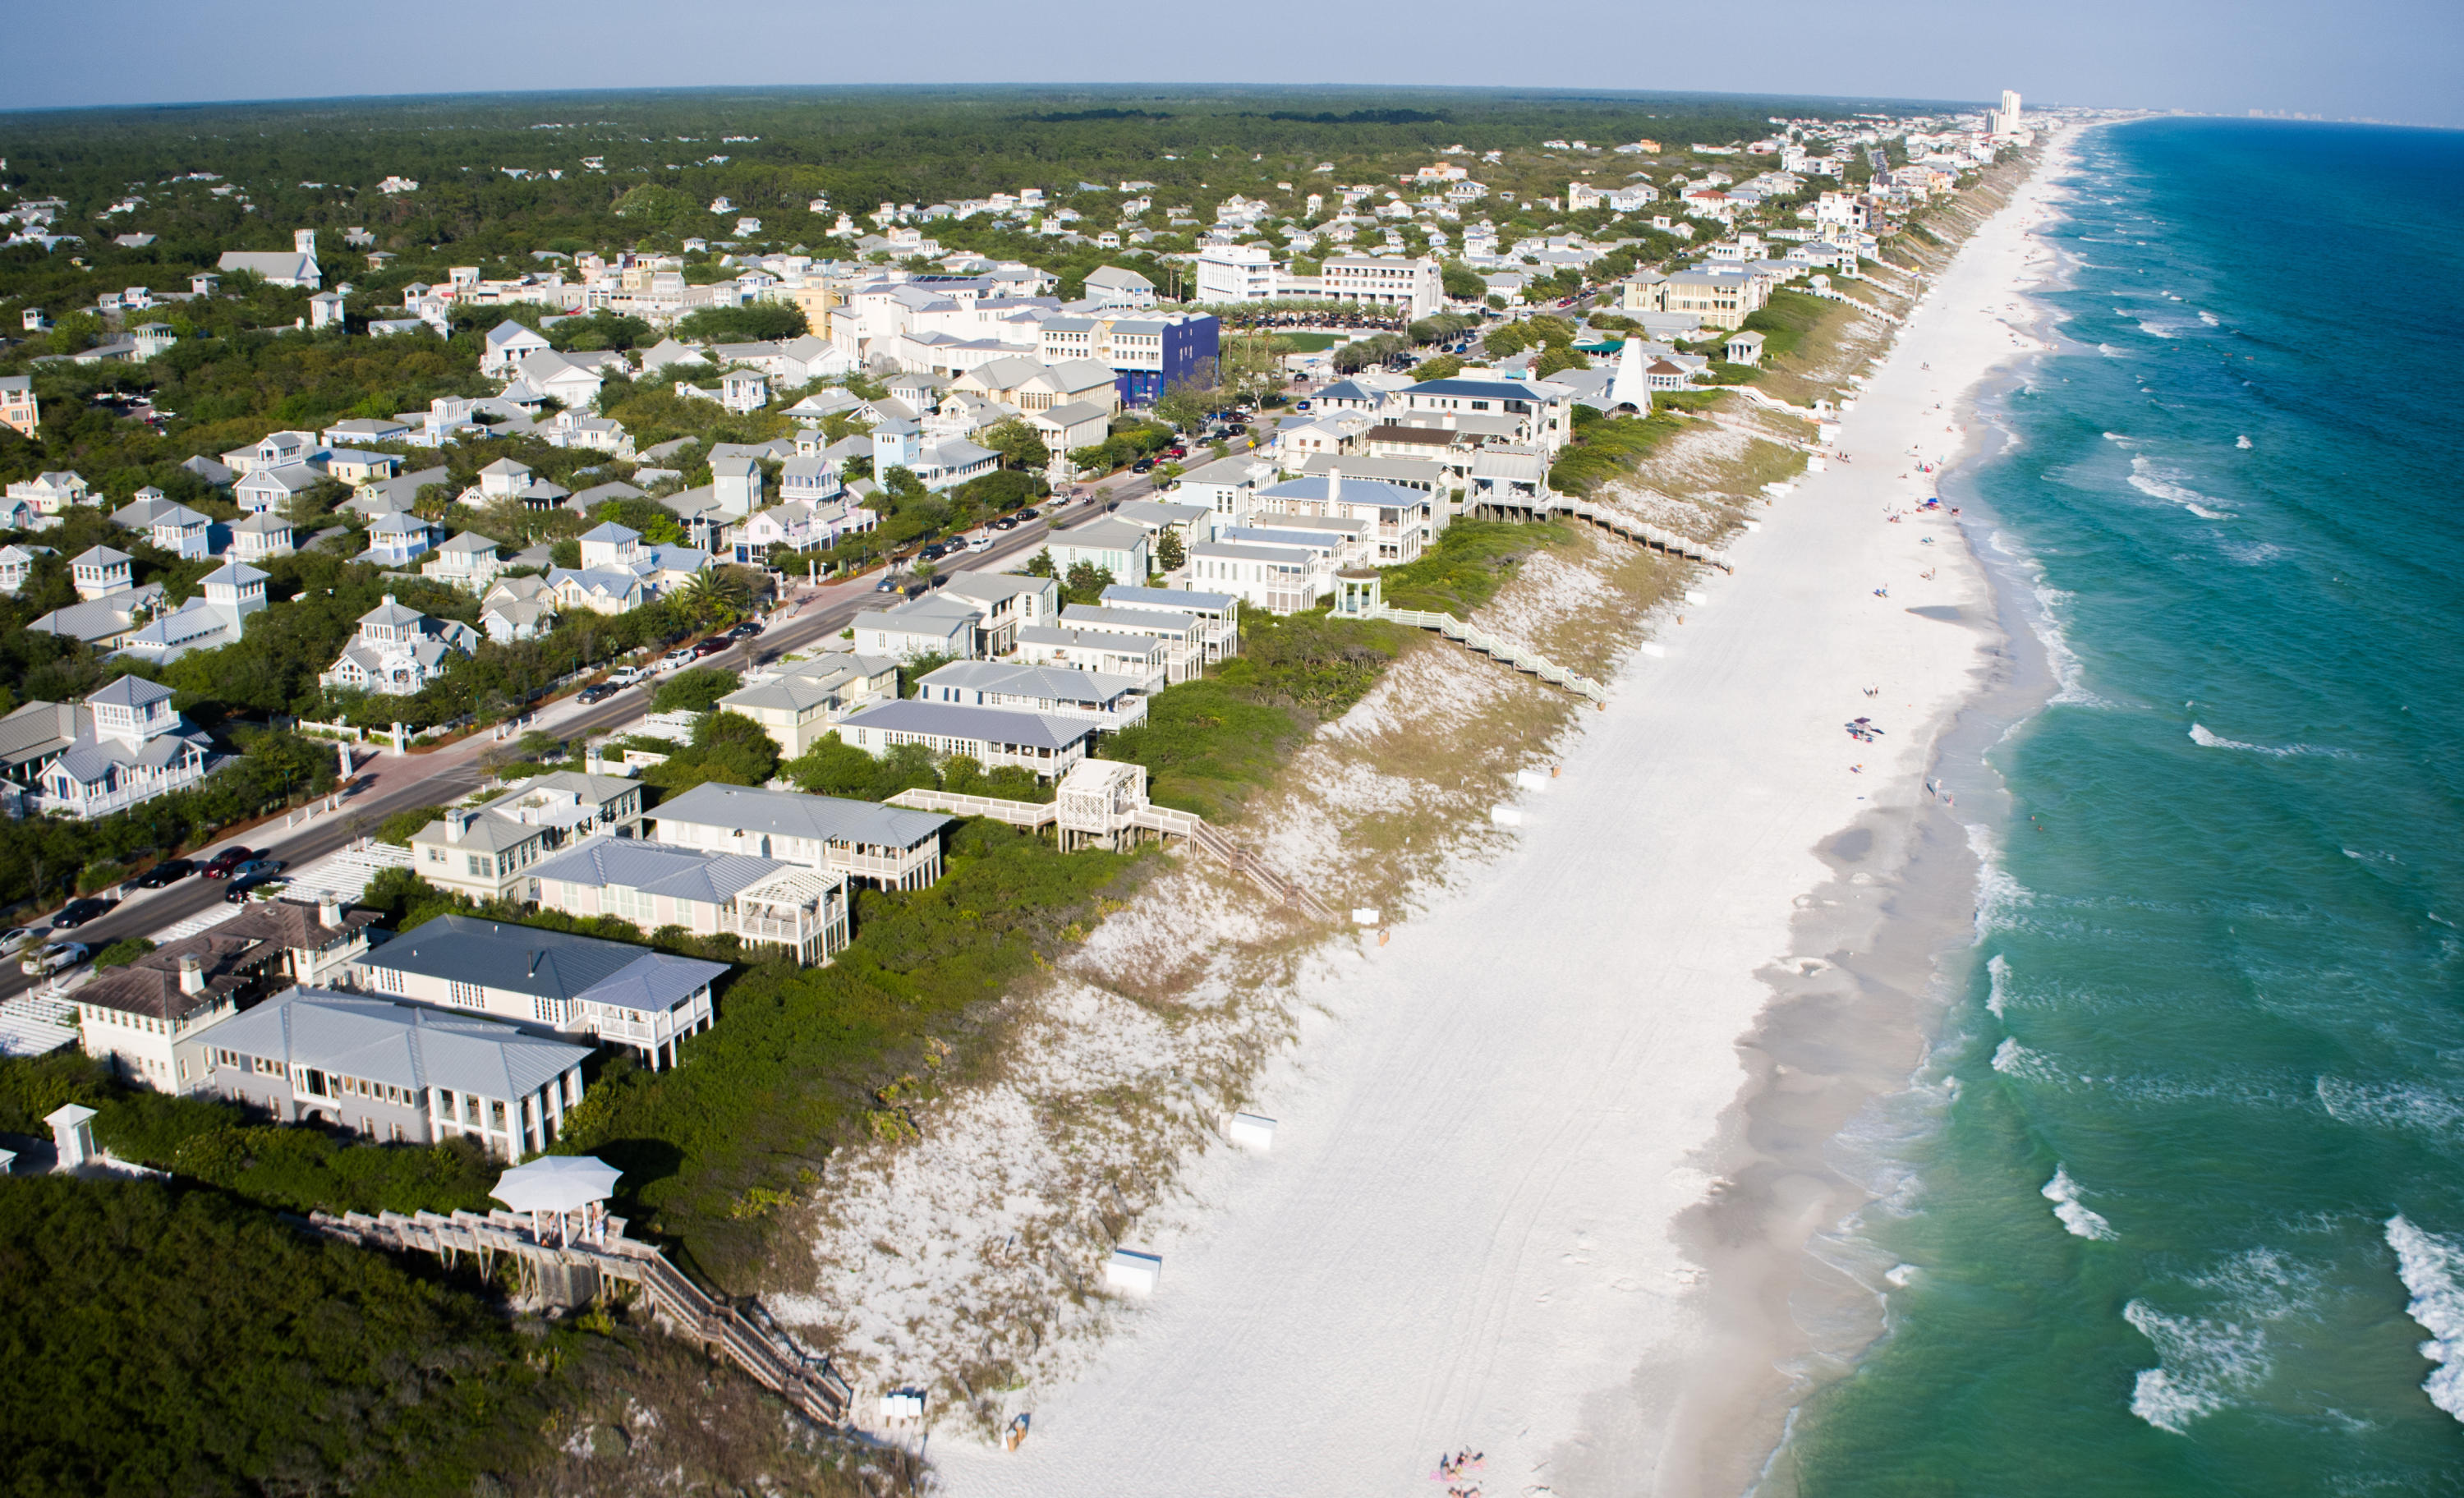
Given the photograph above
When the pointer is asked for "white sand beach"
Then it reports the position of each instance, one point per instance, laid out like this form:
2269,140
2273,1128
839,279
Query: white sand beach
1466,1233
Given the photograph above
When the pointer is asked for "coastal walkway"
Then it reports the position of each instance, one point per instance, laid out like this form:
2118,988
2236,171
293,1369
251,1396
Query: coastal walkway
1478,639
569,1271
1102,802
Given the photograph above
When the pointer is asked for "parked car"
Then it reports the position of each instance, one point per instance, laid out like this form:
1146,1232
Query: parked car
50,958
76,913
258,870
980,543
17,936
748,629
243,890
627,675
1143,466
170,870
220,866
710,647
1007,522
682,654
600,692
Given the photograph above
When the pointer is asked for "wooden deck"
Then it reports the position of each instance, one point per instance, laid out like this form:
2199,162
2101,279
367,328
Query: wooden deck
773,1359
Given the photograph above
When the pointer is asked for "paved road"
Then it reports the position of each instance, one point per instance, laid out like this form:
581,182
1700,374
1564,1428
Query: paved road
391,783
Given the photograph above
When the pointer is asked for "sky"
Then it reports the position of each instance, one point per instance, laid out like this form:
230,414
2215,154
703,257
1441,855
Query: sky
2396,60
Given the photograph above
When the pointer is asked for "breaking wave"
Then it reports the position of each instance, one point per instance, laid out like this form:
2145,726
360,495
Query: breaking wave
2158,484
2201,1365
2432,1268
1997,972
2064,1194
2205,740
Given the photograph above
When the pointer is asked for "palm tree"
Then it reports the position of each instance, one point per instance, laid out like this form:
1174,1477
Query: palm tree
712,598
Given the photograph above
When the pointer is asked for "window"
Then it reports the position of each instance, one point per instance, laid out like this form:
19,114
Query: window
470,996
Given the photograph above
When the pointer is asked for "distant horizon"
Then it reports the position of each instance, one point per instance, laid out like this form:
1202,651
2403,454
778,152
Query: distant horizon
2391,61
1894,102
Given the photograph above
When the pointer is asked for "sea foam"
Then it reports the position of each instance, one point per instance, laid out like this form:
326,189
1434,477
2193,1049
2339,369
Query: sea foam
2431,1266
2163,484
2201,1365
2206,740
2064,1194
1997,973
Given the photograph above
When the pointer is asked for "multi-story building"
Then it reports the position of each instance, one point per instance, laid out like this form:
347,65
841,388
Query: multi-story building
1148,354
399,650
889,846
132,749
394,1072
1236,272
623,996
486,852
652,884
1414,287
18,406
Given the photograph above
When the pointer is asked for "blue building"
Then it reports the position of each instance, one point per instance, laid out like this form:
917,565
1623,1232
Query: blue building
1148,351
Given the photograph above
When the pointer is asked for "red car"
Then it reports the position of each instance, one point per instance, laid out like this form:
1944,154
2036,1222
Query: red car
220,866
712,646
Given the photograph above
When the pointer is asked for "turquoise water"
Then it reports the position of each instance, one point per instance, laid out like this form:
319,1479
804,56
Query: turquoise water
2185,1196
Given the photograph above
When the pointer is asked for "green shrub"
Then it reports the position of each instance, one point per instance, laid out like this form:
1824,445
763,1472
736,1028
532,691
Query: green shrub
694,691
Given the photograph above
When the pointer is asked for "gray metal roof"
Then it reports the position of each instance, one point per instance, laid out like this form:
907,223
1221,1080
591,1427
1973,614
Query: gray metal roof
985,724
402,1045
630,863
829,818
526,959
1058,683
134,692
1126,621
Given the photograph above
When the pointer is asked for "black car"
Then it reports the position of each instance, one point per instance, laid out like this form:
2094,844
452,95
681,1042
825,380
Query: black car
1026,515
1143,466
170,870
600,692
747,629
76,913
242,889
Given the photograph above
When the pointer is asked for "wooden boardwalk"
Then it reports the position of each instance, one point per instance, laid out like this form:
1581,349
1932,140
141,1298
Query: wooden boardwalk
774,1360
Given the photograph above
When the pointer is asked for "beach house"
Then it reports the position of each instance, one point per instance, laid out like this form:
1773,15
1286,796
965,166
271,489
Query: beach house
887,846
620,994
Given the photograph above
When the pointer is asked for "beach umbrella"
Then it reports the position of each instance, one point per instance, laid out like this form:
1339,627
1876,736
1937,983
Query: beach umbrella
557,1183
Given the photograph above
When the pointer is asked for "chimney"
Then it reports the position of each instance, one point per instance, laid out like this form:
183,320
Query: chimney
1334,485
192,973
457,823
304,241
329,912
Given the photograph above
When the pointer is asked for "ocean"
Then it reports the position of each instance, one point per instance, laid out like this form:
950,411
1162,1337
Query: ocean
2177,1205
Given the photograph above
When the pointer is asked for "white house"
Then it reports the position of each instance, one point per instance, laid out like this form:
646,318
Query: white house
889,846
1046,745
399,650
218,617
134,749
1118,547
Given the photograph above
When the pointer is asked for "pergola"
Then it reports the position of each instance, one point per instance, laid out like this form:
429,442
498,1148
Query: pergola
561,1187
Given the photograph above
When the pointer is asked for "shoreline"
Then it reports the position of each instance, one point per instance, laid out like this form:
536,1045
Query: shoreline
1893,958
1473,1230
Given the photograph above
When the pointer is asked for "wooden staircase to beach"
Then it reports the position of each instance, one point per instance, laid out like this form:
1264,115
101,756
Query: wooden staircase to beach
769,1355
1478,639
1163,821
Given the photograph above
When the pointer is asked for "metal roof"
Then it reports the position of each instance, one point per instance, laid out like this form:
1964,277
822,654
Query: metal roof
830,819
552,965
630,863
402,1045
983,724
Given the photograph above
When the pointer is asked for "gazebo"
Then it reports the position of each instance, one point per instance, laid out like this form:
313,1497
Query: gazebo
556,1189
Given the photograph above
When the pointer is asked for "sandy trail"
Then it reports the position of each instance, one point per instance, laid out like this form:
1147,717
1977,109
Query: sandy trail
1461,1237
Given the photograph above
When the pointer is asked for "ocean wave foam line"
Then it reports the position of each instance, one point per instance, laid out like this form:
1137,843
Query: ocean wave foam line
2081,1221
2431,1266
2202,1366
2207,738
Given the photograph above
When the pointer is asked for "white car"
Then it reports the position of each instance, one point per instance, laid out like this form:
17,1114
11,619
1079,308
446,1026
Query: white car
627,675
48,959
17,936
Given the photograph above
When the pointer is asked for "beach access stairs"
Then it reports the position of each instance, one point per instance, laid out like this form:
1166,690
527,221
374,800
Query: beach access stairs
1478,639
550,1263
1126,812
